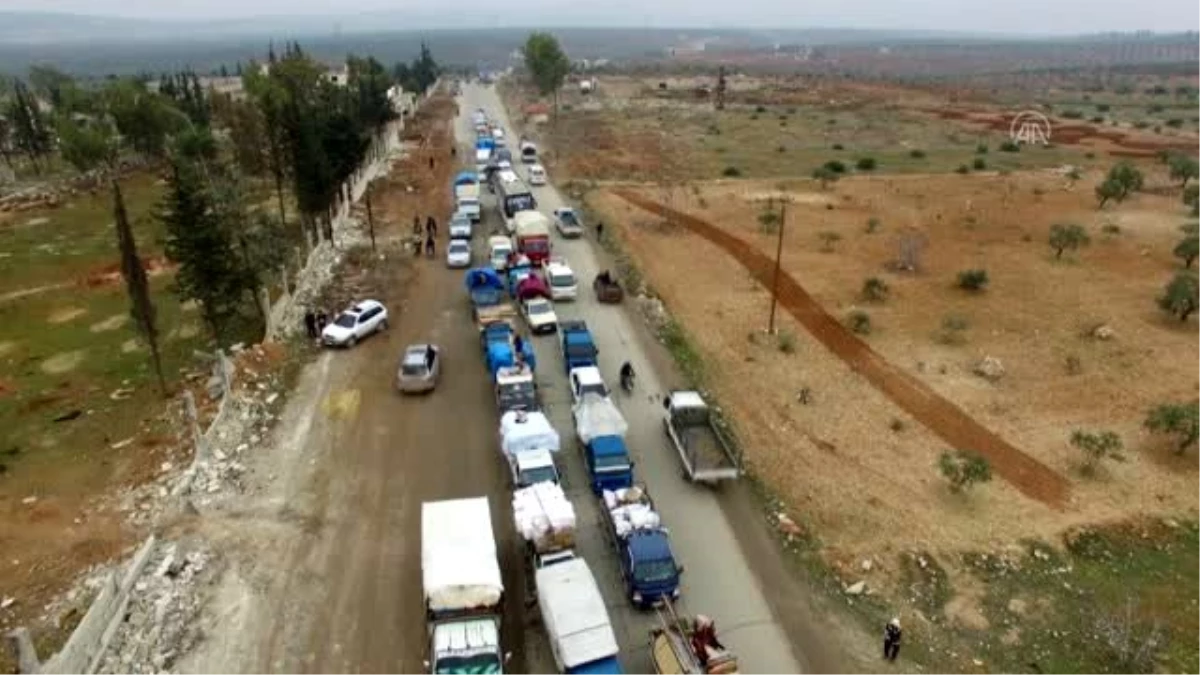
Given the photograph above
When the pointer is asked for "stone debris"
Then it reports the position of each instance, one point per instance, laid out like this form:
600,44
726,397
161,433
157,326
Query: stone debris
160,620
1104,332
856,588
989,367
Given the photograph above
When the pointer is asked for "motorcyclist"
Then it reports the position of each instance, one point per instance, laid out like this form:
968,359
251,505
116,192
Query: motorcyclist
627,375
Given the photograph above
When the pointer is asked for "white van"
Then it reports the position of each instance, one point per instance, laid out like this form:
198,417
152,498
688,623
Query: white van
499,248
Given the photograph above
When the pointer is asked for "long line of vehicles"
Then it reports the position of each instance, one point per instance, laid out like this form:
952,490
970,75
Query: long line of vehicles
463,591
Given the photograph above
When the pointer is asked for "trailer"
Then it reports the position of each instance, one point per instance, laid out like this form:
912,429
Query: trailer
706,454
673,649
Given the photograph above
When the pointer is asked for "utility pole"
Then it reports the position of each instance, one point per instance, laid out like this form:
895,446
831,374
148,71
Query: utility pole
778,256
370,217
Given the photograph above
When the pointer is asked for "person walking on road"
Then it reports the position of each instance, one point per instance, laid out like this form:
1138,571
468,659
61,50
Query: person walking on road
519,344
599,230
310,324
429,247
891,640
416,226
431,227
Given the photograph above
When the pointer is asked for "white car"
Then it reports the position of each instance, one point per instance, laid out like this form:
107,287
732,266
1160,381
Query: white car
539,314
499,248
537,174
566,220
458,253
356,323
561,280
460,225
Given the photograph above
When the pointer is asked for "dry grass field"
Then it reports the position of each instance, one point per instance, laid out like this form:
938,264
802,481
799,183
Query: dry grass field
1024,572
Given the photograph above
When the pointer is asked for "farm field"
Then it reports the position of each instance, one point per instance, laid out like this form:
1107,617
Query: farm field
846,427
80,410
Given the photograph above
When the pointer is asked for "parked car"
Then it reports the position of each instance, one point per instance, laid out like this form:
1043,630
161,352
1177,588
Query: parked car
537,174
458,254
539,314
567,222
460,225
355,323
420,368
561,280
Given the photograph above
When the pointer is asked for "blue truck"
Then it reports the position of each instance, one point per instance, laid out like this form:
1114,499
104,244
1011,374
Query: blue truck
578,347
648,567
601,429
496,339
485,288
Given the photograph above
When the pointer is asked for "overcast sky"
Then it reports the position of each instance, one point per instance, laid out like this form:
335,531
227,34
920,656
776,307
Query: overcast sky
1007,16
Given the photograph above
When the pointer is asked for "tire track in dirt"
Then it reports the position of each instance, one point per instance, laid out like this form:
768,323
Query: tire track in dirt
948,421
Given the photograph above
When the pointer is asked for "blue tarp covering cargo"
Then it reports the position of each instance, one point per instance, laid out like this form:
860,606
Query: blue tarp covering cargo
485,287
466,178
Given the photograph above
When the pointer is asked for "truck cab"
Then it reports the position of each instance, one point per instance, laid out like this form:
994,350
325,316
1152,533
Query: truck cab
578,348
531,467
649,567
516,390
586,380
471,646
608,464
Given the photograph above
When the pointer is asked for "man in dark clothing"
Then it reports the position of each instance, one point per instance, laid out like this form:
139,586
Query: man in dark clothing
310,324
891,640
703,637
431,227
416,226
431,163
599,229
429,247
322,319
519,345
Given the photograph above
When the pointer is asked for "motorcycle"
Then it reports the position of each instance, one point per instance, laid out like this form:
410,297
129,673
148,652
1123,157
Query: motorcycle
627,382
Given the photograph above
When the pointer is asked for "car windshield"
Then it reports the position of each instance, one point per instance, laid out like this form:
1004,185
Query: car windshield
539,308
520,394
597,388
345,320
520,202
460,248
612,463
460,219
413,369
542,474
581,350
562,280
654,571
501,253
483,664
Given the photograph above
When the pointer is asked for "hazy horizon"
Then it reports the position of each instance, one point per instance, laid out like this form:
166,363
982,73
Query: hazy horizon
1020,17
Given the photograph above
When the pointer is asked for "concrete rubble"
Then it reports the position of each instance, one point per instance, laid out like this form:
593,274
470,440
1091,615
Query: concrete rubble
159,622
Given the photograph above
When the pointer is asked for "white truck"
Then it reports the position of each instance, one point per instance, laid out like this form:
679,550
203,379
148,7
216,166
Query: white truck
529,442
466,200
581,635
464,593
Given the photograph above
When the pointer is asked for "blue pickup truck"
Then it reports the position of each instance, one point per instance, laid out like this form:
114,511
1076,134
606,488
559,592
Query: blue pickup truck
485,287
496,340
601,432
578,347
648,566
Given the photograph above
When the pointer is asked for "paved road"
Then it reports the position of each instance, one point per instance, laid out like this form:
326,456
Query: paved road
718,580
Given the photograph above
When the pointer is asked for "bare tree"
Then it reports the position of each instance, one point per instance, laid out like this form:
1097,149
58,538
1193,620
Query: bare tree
138,286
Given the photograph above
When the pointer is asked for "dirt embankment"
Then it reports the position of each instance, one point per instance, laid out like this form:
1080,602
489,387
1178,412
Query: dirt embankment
947,420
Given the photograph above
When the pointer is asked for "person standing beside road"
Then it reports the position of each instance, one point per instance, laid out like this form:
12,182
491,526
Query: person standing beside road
599,230
310,324
431,227
322,319
519,344
891,639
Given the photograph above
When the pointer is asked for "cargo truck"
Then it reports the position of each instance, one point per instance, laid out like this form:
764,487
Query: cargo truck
633,526
464,593
581,635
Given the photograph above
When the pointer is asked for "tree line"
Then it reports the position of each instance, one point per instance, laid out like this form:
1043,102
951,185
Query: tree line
294,129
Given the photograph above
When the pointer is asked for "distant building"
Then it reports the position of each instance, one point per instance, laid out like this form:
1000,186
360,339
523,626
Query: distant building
339,76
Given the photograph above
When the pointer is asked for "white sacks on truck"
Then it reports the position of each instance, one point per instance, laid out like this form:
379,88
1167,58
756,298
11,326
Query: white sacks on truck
630,511
544,516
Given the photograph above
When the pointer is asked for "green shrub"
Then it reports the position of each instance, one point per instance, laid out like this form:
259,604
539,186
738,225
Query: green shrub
1072,114
838,146
835,166
916,154
973,280
875,290
1010,146
963,168
859,322
865,164
873,225
731,172
981,149
979,164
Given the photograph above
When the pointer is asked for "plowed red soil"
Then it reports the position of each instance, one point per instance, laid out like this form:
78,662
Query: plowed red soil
938,414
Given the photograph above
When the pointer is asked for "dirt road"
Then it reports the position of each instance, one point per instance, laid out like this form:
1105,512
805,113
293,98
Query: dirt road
941,416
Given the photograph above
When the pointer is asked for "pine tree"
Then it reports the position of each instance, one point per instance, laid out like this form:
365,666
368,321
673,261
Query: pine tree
30,130
136,283
198,241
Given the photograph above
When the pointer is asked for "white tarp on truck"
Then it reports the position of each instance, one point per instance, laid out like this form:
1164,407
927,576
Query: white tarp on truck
544,516
597,416
458,555
522,431
574,614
